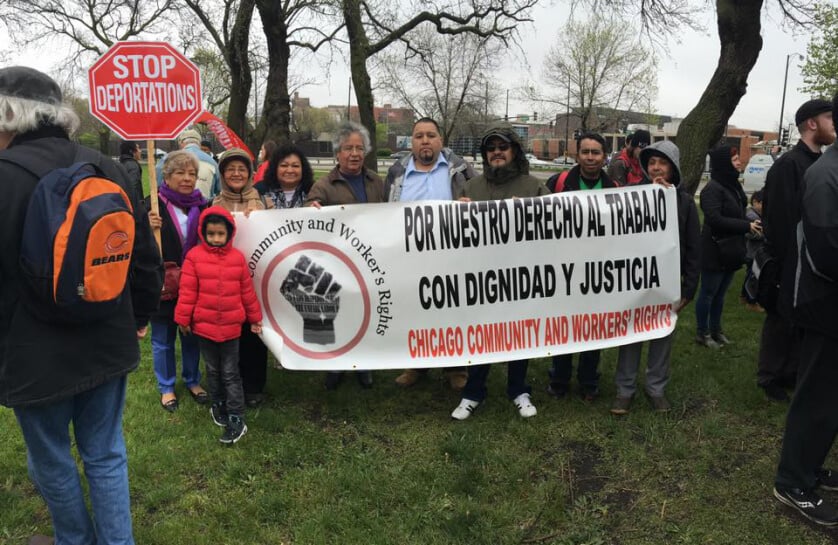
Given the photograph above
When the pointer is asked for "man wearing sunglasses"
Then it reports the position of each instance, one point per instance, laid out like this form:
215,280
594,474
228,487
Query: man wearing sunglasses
505,176
625,168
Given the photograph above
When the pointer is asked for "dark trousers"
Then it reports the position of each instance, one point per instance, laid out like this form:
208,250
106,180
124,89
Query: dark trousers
223,380
587,371
812,420
516,380
779,351
253,361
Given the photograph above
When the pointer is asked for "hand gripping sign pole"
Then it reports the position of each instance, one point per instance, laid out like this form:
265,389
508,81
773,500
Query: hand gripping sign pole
145,91
152,192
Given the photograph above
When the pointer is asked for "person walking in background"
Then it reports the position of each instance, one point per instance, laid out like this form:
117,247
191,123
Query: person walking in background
625,168
722,242
587,174
660,162
180,208
59,374
216,298
430,172
129,158
780,342
505,175
349,182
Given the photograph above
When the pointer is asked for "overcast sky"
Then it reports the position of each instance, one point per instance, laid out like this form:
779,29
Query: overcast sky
685,69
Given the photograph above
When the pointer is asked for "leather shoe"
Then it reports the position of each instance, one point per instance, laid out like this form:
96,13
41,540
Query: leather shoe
409,377
169,406
200,397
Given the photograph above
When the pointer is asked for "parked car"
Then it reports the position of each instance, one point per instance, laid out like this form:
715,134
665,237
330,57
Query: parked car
756,171
564,160
399,154
159,154
535,161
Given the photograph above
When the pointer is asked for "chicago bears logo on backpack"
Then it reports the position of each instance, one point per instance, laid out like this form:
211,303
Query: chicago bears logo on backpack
77,240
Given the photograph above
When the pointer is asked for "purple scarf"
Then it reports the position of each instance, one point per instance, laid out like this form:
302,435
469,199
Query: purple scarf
193,203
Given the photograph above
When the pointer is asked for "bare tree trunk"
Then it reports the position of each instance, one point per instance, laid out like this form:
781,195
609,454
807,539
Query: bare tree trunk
276,114
739,34
358,53
239,65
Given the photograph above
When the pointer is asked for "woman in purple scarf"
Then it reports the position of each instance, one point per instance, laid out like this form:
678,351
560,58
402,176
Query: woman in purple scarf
180,206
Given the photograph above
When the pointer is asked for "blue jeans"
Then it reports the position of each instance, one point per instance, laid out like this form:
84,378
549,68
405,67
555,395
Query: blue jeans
516,380
163,351
711,300
97,425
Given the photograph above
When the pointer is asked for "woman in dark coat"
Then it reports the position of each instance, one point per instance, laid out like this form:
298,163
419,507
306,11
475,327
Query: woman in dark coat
723,203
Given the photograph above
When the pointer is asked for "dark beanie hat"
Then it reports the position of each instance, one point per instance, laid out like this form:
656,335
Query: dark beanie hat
641,136
29,84
810,109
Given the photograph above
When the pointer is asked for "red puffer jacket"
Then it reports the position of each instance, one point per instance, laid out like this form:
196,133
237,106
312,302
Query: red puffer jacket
216,293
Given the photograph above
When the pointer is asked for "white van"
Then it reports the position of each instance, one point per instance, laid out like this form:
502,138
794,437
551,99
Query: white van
756,171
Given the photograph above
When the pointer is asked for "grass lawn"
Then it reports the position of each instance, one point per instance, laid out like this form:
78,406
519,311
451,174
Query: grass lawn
388,466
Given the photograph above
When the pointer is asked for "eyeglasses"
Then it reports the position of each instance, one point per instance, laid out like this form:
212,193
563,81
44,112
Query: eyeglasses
503,146
642,145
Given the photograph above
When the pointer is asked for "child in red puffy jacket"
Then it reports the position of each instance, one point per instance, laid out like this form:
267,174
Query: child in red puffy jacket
215,297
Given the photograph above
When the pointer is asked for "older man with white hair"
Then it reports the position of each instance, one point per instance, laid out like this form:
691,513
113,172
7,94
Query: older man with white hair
350,182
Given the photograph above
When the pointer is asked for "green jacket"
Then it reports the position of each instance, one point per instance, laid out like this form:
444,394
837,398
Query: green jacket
523,185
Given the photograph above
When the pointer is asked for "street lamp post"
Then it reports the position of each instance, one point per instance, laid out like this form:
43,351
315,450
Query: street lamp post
567,123
785,82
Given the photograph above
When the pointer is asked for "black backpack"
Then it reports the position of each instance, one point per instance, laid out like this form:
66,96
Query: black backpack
763,284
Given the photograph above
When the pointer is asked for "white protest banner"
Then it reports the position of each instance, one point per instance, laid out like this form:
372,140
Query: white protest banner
435,284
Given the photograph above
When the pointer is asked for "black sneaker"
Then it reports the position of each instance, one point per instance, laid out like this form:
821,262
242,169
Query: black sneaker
827,479
254,400
808,504
235,430
720,338
218,412
557,390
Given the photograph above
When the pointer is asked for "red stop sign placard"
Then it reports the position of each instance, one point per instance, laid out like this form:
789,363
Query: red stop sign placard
145,90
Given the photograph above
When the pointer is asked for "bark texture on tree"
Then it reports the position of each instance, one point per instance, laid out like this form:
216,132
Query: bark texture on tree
276,113
359,51
241,80
701,129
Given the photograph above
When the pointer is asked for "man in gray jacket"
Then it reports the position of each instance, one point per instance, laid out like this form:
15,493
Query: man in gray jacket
430,172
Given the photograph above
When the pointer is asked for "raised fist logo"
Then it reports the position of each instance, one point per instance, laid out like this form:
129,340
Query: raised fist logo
312,291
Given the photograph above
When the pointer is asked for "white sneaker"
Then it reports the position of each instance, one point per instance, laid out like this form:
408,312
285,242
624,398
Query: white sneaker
525,407
464,409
